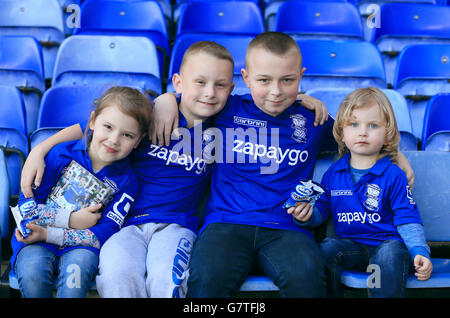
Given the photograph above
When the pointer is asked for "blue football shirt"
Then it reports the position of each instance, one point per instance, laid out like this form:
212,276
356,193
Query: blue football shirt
369,211
260,159
172,179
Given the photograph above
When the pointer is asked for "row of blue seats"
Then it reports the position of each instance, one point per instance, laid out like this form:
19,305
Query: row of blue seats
98,60
401,23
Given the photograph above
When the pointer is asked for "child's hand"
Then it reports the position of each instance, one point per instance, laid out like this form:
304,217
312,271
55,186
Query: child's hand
38,234
85,218
315,105
302,211
32,170
423,267
404,164
165,119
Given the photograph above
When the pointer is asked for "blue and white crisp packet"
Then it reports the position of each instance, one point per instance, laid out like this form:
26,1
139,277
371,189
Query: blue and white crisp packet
306,191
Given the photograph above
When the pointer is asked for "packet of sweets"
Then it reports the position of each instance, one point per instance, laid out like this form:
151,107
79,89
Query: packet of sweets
305,191
23,207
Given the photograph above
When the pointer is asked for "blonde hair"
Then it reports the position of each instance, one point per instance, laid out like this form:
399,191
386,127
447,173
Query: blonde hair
130,101
209,47
360,98
277,43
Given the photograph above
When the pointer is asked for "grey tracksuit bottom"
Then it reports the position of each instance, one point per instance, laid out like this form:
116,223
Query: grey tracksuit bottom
146,260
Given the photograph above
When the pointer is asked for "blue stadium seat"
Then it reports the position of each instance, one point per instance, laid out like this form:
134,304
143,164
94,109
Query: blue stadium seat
338,63
402,24
4,197
21,66
331,20
271,8
179,4
226,17
407,139
431,193
128,18
108,60
63,106
42,19
419,81
333,97
436,130
236,44
13,134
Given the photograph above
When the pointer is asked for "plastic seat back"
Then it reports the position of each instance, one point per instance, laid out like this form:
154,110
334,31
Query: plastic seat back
338,63
433,69
42,19
13,134
402,24
437,121
179,4
63,106
319,20
129,18
412,20
4,197
21,65
419,81
229,17
271,8
113,60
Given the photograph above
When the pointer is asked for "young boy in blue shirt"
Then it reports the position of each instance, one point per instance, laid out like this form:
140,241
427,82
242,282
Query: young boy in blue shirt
375,217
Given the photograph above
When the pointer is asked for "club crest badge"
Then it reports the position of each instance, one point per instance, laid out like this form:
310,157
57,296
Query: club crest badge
299,123
373,193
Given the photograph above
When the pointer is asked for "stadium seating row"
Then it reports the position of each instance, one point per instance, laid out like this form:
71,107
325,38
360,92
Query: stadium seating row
419,23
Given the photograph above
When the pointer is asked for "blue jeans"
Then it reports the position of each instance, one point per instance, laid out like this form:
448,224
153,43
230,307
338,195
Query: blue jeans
224,254
36,267
391,257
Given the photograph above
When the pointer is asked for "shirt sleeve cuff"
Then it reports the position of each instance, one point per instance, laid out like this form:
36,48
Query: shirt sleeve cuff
55,236
62,218
419,250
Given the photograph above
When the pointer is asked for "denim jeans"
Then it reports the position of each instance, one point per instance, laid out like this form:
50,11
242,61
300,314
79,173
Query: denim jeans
224,254
36,267
391,257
